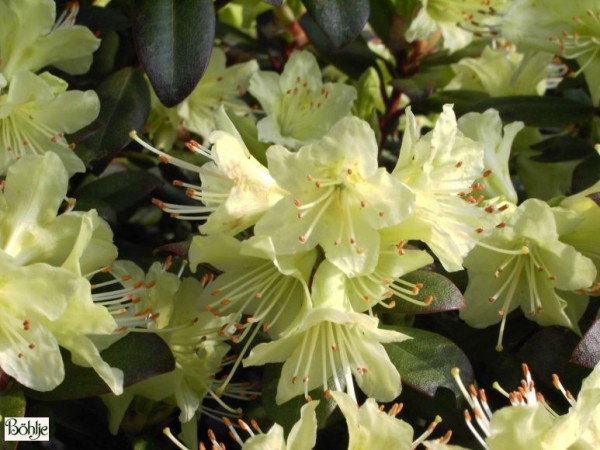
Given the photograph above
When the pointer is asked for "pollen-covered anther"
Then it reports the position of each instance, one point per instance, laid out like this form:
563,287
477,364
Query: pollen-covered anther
225,302
478,230
487,173
297,203
491,299
31,346
159,203
489,209
458,164
501,225
428,300
363,203
362,370
552,277
26,324
381,213
302,239
501,312
476,187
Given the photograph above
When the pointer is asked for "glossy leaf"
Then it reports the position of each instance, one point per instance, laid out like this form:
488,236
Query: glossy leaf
340,20
557,112
587,352
120,190
174,40
139,355
446,296
124,106
12,404
586,173
353,59
424,362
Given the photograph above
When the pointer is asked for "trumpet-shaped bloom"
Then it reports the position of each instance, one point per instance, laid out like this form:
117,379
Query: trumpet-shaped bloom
219,86
31,40
300,108
35,113
338,198
525,264
456,21
272,290
568,29
487,129
442,168
332,341
303,435
370,427
584,236
45,298
530,422
503,71
236,189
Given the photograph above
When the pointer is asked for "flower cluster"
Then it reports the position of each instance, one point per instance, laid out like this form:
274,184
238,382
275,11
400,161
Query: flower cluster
332,210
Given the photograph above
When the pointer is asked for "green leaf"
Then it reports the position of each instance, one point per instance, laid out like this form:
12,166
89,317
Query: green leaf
587,352
586,173
124,106
538,111
120,190
446,296
424,82
369,98
562,148
424,362
353,59
340,20
12,404
139,355
288,413
174,40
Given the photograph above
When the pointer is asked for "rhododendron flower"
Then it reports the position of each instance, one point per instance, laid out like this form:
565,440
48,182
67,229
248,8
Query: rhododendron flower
503,71
46,299
338,198
236,189
219,86
370,426
530,422
35,113
270,289
332,341
30,39
454,20
303,435
524,264
567,29
442,168
300,108
486,128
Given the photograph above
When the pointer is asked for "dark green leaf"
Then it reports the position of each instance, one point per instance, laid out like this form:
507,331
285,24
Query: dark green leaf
12,404
587,352
464,101
273,2
446,296
424,82
562,148
353,59
425,361
120,189
100,18
289,412
586,173
538,111
124,106
340,20
139,355
174,40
